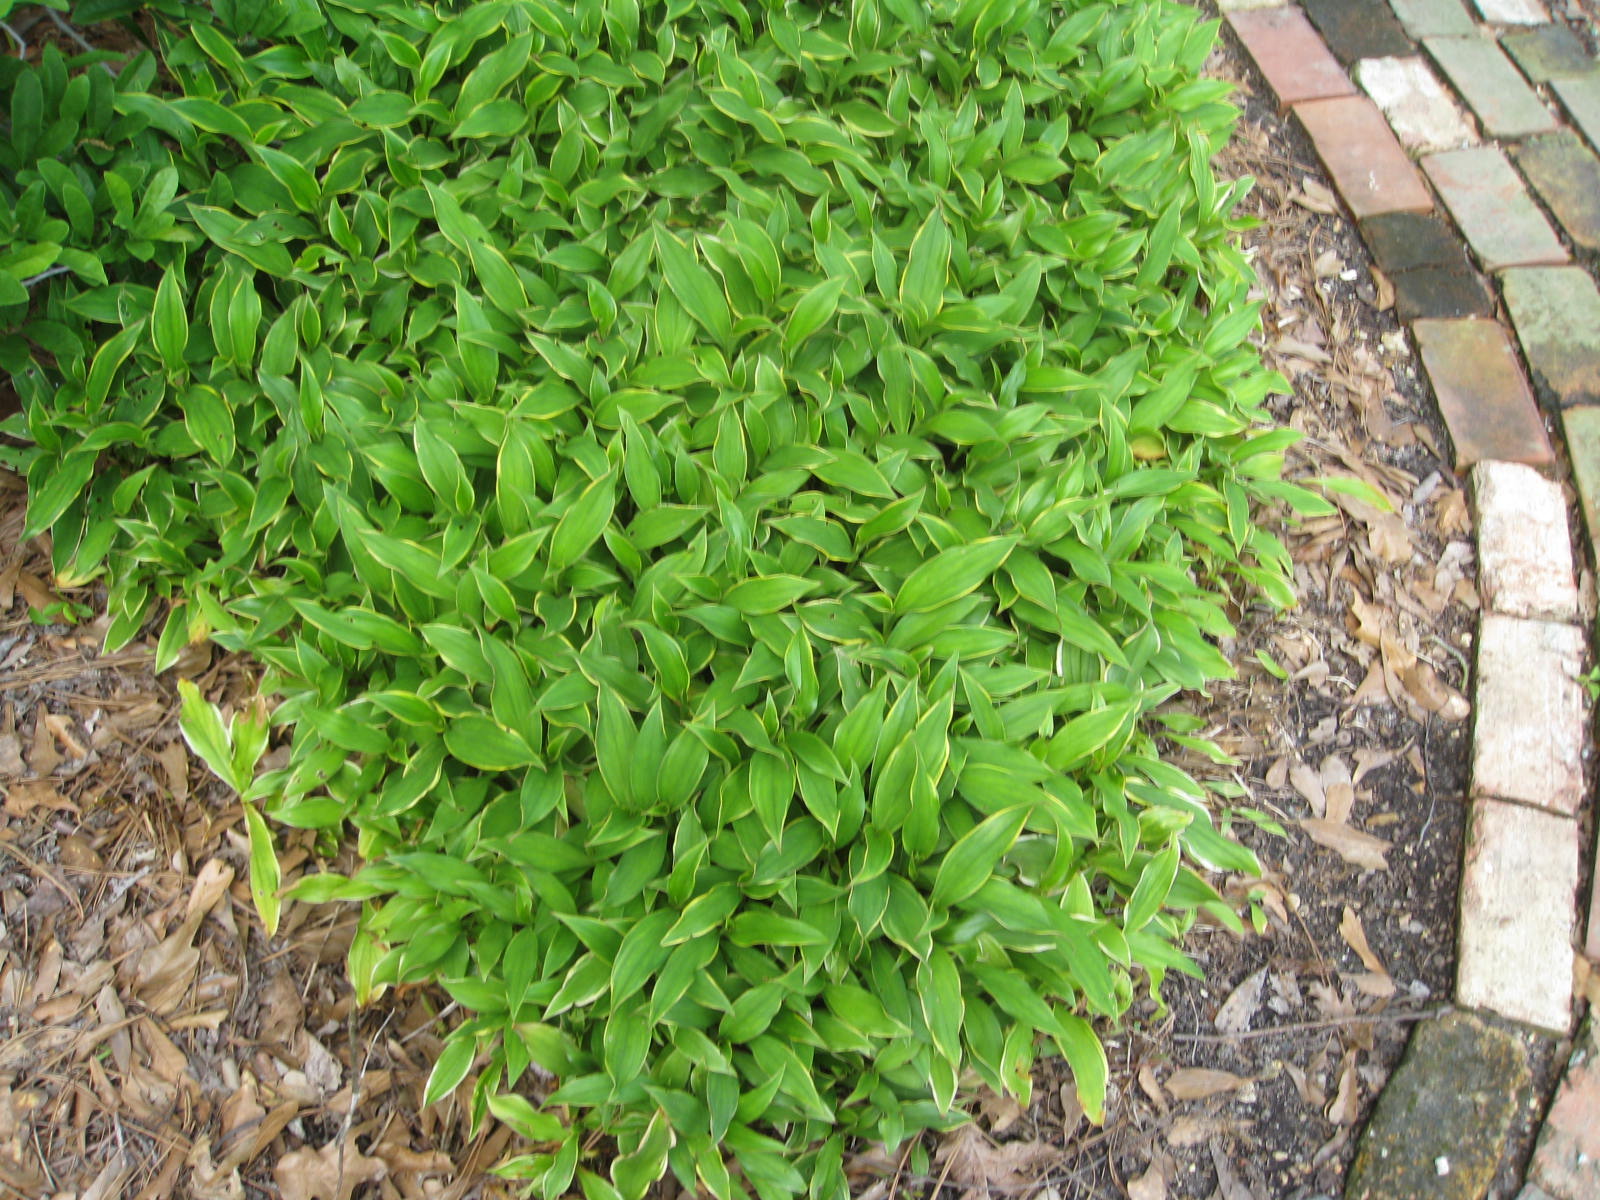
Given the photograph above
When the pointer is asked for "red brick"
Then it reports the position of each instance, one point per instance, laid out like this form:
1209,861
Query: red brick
1290,54
1367,164
1567,1162
1486,403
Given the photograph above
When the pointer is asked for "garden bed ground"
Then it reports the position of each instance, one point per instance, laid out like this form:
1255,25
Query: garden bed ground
155,1044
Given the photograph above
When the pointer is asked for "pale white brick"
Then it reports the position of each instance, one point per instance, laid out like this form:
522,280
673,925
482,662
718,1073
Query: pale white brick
1513,12
1517,886
1524,546
1420,111
1528,736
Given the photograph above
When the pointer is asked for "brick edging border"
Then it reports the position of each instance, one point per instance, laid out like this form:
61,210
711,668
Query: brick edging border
1391,147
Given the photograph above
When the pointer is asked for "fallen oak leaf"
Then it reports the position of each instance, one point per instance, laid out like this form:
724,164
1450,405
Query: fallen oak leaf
332,1173
1356,848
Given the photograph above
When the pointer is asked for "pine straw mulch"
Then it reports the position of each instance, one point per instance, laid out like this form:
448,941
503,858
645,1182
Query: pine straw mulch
157,1045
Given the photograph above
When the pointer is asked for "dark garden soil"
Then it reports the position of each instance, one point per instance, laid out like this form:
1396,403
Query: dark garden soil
154,1044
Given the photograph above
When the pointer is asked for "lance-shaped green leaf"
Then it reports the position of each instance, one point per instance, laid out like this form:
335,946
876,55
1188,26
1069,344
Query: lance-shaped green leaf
927,271
973,857
951,574
694,285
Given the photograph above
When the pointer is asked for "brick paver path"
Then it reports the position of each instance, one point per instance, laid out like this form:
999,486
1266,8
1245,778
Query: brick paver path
1489,230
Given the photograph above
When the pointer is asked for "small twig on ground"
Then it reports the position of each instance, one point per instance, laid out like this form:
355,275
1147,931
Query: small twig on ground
46,874
899,1168
22,46
1399,1018
422,1029
355,1084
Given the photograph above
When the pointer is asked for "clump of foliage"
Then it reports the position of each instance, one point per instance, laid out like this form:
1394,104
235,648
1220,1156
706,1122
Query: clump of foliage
723,490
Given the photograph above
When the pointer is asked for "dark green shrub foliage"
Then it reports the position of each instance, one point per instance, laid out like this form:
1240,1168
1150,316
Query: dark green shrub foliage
722,490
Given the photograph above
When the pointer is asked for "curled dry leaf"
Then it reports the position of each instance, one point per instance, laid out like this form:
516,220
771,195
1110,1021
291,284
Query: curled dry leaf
1356,848
1316,197
1346,1104
1151,1086
1195,1130
1239,1009
1311,1093
1228,1182
1429,692
1339,792
1309,784
1373,983
1197,1083
1355,936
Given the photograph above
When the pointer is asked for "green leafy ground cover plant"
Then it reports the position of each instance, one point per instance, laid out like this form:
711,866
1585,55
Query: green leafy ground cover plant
723,493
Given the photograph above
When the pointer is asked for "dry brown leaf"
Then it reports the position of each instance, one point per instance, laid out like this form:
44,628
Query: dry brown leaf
410,1170
1002,1112
1315,196
1374,758
1385,290
1338,789
11,764
1228,1182
1347,1102
61,729
1377,984
174,760
1309,784
1373,689
164,972
1356,848
1432,694
1389,539
107,1185
1198,1083
43,757
1371,620
1152,1185
1355,936
24,798
1278,773
1151,1086
331,1173
978,1163
1311,1093
1239,1009
1193,1130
